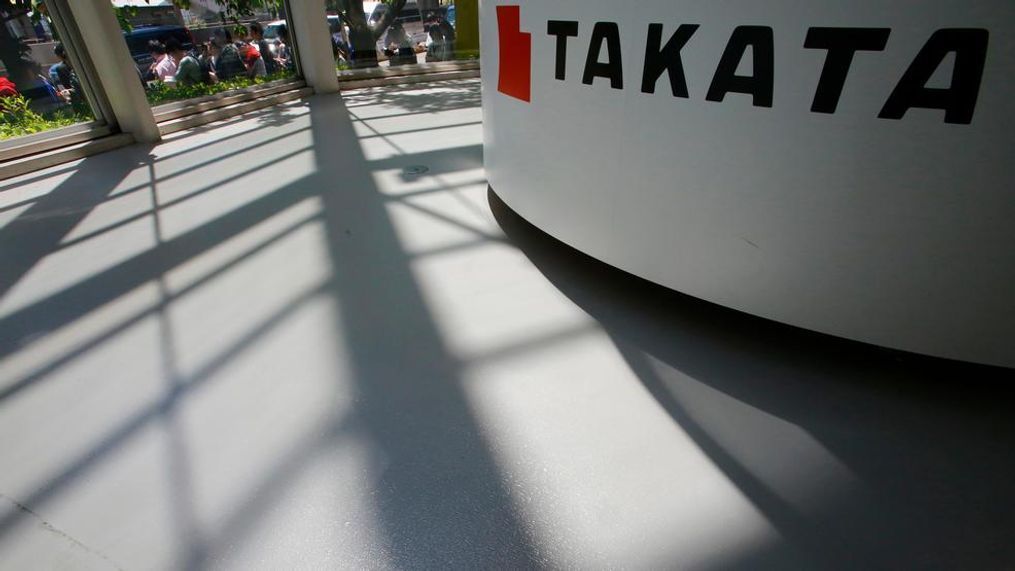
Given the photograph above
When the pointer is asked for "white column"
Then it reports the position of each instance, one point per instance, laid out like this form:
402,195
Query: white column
310,29
114,68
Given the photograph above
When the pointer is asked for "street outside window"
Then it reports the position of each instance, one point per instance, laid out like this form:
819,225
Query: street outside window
398,33
206,47
40,89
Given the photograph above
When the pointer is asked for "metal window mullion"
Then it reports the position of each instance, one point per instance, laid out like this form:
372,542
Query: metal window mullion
80,59
293,43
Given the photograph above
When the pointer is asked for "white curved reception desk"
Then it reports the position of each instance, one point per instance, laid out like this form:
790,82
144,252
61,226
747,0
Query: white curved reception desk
845,167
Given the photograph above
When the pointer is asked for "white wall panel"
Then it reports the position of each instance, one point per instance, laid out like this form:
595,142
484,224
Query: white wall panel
894,232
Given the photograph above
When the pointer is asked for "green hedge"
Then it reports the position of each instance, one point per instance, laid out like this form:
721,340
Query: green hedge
17,118
161,93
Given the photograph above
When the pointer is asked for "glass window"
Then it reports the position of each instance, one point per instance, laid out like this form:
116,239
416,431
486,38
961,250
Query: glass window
207,48
396,34
40,85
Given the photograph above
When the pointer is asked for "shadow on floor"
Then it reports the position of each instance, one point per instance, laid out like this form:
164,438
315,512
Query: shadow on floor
857,456
37,231
860,457
440,499
448,96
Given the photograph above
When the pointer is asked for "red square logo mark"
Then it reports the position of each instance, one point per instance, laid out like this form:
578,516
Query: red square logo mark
515,78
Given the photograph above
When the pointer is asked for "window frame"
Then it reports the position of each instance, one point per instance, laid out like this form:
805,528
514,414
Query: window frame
104,123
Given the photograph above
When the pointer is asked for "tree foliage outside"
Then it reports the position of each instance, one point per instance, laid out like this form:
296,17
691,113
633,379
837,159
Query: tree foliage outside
161,93
232,11
13,50
362,35
17,118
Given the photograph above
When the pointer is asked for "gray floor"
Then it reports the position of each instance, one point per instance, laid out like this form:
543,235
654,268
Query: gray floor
267,344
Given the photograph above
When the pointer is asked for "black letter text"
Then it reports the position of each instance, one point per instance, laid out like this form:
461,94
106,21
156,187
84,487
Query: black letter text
563,30
613,69
842,44
959,100
658,60
761,84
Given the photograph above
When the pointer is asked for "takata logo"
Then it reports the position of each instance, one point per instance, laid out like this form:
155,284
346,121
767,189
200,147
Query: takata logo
967,48
515,54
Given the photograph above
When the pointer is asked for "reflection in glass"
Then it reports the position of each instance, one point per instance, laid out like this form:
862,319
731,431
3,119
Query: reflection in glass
39,86
208,48
401,32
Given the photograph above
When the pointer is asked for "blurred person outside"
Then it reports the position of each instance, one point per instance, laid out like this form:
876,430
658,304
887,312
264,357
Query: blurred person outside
7,88
40,30
188,70
204,56
65,79
398,45
242,37
283,53
254,62
441,41
164,67
263,47
60,72
226,58
44,95
340,46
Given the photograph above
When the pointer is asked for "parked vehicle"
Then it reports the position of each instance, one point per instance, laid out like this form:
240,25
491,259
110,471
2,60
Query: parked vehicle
138,38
